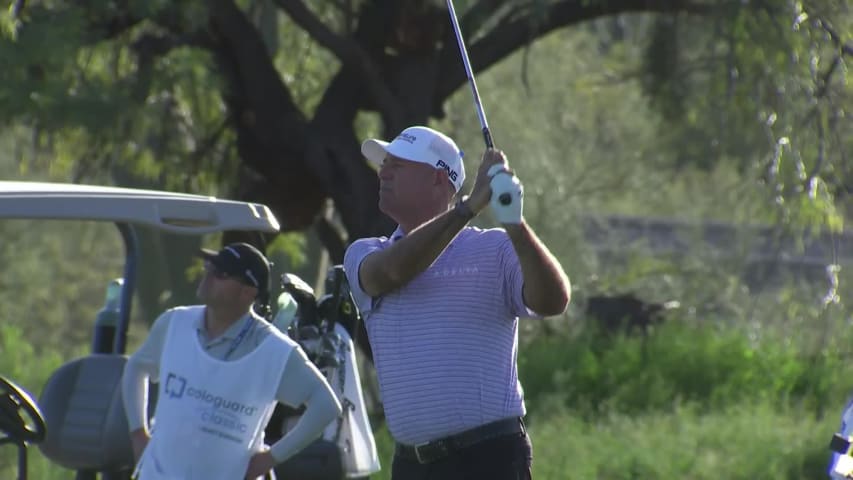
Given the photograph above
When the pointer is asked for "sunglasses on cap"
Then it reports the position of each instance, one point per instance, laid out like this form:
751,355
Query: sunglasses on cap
219,274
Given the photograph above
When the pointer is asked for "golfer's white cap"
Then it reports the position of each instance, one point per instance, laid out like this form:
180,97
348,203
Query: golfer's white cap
420,144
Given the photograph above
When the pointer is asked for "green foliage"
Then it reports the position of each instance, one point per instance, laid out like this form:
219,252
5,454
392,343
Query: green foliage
677,365
305,68
21,361
761,88
101,104
84,97
55,277
290,246
745,94
9,24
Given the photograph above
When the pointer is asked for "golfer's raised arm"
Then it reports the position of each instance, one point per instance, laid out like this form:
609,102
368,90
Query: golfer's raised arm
546,290
386,270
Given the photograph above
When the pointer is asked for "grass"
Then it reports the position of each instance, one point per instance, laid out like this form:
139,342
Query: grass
745,441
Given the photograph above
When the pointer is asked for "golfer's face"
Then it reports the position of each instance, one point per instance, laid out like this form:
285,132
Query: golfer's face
403,183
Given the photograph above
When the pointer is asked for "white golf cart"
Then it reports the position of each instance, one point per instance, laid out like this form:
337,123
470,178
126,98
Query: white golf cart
78,421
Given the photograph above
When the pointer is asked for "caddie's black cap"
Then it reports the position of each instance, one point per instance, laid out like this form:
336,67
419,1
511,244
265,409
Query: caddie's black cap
242,261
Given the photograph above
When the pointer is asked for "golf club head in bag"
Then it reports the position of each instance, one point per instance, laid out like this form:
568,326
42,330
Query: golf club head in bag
347,448
306,301
286,311
338,305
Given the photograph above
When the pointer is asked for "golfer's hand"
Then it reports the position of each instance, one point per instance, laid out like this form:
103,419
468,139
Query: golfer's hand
482,191
139,440
259,465
507,196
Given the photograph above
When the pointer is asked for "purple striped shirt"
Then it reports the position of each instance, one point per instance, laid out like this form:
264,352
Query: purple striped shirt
445,344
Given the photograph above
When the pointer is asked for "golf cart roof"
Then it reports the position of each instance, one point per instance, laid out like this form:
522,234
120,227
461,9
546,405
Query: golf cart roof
174,212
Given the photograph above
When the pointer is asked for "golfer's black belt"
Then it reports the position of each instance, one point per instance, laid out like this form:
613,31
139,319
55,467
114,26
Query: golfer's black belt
437,449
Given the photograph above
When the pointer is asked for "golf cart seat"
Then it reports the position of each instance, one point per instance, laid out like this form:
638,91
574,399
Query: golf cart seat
82,407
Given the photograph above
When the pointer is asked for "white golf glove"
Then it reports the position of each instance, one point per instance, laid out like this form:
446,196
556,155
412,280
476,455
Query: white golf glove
507,193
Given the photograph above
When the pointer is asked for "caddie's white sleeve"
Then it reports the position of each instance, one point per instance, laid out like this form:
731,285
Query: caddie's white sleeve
144,363
302,384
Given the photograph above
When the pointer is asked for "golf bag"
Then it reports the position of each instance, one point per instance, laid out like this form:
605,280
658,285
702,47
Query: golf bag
324,329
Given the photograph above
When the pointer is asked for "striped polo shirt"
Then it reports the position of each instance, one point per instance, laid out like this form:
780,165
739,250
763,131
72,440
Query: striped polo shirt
445,344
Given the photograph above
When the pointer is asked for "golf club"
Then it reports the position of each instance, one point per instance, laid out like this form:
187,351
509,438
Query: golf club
504,198
487,135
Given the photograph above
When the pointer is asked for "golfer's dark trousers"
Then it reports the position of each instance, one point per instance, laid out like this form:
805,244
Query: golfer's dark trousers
496,451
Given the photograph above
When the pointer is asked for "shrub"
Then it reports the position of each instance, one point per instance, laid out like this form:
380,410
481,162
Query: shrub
677,364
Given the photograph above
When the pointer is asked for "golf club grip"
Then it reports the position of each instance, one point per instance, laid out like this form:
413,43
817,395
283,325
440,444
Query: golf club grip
487,136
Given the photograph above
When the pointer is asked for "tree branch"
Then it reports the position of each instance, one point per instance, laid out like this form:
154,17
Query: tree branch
272,132
330,238
825,79
508,37
475,17
115,21
846,48
253,74
349,53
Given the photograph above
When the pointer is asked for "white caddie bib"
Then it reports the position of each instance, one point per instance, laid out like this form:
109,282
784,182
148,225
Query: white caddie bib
211,414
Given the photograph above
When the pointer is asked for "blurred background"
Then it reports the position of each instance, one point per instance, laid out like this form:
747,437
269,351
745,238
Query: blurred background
688,162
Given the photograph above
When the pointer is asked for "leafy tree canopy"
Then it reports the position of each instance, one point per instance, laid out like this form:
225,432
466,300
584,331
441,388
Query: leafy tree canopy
267,100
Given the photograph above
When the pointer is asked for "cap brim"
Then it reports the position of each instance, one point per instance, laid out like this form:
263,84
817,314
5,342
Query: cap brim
211,256
374,151
207,254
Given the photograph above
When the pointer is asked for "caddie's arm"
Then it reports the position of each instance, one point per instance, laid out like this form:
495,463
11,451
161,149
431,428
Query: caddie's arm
142,365
302,384
546,290
391,268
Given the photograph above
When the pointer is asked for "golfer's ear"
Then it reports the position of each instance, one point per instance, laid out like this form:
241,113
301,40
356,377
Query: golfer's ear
249,293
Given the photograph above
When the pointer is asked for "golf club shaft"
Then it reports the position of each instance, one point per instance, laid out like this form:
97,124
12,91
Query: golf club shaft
487,135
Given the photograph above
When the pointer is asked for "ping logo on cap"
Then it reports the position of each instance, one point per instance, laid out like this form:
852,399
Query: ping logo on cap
450,172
